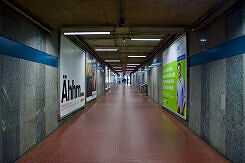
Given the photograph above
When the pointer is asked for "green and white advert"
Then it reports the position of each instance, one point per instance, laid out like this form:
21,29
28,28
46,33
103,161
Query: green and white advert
174,72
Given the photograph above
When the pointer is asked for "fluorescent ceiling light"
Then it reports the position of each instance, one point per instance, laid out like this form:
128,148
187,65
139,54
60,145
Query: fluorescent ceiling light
118,70
117,67
145,39
203,40
129,69
135,64
137,56
112,60
112,50
131,66
87,33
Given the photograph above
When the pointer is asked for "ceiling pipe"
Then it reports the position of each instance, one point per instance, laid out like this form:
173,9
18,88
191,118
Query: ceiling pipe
121,19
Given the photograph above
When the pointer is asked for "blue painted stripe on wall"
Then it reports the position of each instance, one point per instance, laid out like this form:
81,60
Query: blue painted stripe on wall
14,49
228,49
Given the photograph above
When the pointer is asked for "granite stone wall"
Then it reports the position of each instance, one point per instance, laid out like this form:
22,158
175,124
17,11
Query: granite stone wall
154,78
216,96
28,90
100,82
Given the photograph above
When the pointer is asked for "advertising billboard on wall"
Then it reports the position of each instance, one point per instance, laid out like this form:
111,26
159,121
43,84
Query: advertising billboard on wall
91,73
72,77
174,75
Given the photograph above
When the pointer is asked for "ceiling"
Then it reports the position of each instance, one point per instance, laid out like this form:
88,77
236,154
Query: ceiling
125,19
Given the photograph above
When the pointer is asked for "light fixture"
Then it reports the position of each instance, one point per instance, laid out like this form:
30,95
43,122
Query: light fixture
133,64
87,33
136,56
118,70
145,39
129,69
117,67
203,40
112,60
106,49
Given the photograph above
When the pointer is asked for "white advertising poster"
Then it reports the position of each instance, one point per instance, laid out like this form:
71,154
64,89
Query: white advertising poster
72,77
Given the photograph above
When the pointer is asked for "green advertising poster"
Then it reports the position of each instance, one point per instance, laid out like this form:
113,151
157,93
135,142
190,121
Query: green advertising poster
174,89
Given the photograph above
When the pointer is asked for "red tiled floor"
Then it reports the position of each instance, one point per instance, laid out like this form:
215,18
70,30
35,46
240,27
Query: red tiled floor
123,126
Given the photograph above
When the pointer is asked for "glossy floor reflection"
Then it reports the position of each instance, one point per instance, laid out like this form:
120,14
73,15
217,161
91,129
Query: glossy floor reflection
123,126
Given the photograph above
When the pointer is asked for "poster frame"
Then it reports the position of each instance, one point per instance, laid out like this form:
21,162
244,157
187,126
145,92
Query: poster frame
186,66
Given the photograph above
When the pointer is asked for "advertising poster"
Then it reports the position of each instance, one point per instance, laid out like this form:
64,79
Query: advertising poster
174,84
106,78
72,74
91,69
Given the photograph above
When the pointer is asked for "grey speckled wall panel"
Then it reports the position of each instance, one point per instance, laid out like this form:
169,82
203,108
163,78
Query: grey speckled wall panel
100,82
28,100
27,105
234,23
195,99
155,84
40,101
222,129
216,117
1,108
150,85
30,34
195,45
11,102
52,43
243,143
51,99
205,101
11,27
218,31
234,111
